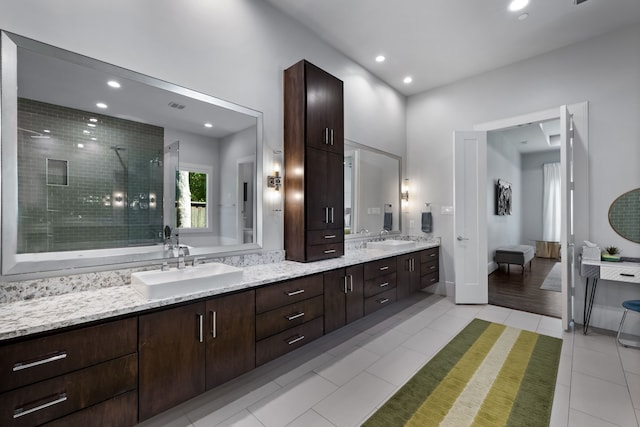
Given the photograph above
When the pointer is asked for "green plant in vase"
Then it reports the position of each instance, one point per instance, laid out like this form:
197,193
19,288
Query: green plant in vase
610,253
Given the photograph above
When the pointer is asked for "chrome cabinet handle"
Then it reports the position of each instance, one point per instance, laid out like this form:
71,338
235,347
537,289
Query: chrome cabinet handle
21,365
329,251
330,236
21,412
383,285
345,284
201,327
326,136
214,324
331,136
432,255
298,292
460,238
295,340
332,213
433,267
295,316
326,215
383,301
351,282
386,267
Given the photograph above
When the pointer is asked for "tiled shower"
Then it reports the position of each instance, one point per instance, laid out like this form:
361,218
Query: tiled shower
86,181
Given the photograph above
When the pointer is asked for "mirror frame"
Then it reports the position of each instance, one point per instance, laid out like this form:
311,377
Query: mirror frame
357,145
16,266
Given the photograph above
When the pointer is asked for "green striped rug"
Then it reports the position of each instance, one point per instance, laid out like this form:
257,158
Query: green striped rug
488,375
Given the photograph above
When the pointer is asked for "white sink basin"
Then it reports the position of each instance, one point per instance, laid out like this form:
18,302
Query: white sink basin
388,245
163,284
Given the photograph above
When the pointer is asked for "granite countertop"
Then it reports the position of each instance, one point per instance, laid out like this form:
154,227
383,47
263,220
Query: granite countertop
22,318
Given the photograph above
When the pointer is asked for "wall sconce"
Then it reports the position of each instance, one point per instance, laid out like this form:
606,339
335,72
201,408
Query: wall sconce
404,192
274,181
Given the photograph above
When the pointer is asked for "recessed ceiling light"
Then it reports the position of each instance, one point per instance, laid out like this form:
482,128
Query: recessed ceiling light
80,145
408,79
380,58
86,132
516,5
94,139
93,120
208,125
92,125
523,17
101,105
114,84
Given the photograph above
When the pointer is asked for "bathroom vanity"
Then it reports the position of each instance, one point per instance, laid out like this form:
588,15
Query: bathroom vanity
112,355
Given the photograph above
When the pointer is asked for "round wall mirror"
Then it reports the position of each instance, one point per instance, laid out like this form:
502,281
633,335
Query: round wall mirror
624,215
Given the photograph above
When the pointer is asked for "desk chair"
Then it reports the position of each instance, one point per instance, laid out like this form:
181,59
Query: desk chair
633,305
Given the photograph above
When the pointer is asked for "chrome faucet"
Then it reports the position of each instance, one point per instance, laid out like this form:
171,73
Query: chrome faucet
197,261
363,231
383,232
181,264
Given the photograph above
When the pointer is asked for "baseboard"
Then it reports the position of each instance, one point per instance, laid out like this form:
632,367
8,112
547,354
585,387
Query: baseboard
491,267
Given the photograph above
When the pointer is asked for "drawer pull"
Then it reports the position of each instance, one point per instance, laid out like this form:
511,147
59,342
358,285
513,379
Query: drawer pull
298,292
386,267
20,412
383,301
329,251
433,267
214,324
295,316
385,284
20,366
331,236
627,275
432,255
432,280
295,340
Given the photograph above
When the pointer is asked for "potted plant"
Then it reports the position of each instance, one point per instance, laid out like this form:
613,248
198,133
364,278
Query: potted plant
610,253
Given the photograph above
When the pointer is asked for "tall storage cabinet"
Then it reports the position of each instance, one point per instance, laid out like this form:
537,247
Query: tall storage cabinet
314,164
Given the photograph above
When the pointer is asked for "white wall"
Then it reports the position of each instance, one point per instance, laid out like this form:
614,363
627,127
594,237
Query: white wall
503,162
532,190
603,71
233,49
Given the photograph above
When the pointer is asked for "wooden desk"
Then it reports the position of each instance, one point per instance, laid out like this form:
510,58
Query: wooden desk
624,271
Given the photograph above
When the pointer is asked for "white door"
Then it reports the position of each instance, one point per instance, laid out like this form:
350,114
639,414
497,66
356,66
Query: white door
566,211
470,217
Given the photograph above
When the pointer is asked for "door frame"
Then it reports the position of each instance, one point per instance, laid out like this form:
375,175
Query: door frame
580,117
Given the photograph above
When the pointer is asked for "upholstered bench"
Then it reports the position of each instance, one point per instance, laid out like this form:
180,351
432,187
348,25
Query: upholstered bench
517,254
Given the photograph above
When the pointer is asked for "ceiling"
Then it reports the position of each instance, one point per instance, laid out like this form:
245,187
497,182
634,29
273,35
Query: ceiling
531,137
438,42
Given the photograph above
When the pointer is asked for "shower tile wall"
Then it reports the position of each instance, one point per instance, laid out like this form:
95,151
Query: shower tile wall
113,196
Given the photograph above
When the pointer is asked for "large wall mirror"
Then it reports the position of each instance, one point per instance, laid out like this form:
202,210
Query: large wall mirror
99,162
624,215
371,190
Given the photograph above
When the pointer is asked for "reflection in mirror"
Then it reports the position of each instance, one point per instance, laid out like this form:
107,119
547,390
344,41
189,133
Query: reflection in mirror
89,163
372,190
624,215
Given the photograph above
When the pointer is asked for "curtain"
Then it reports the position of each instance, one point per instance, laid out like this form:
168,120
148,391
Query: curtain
551,203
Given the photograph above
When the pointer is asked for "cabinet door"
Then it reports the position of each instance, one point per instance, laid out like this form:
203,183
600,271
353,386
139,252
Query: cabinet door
325,110
335,291
325,189
355,293
172,358
230,338
408,274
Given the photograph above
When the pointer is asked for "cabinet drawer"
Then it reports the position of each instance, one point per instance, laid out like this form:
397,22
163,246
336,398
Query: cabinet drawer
322,237
620,273
284,342
330,250
379,284
429,254
120,411
429,267
429,279
280,319
285,293
56,397
382,266
375,303
37,359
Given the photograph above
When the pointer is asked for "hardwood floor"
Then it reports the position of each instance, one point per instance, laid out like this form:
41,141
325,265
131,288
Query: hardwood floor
522,291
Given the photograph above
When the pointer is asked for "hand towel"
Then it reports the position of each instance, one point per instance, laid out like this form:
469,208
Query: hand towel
427,222
388,221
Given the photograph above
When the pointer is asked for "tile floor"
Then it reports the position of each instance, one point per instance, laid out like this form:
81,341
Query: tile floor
340,379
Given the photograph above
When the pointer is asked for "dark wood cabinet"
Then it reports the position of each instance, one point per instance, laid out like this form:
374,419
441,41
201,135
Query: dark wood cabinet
314,163
408,274
380,280
188,349
230,337
429,267
172,357
59,377
343,297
